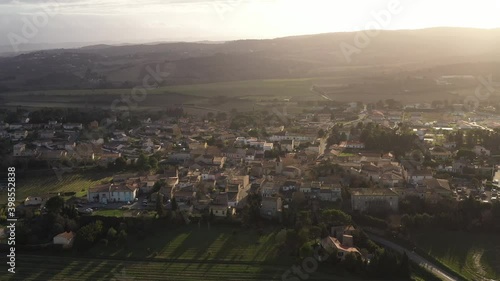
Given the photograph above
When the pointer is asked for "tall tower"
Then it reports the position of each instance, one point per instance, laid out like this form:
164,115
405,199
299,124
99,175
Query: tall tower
279,165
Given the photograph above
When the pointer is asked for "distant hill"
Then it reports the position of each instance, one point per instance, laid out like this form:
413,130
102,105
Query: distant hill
437,51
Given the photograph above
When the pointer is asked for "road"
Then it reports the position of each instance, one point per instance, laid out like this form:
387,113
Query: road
317,91
414,257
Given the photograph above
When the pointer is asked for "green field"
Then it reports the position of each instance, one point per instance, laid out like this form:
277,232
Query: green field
199,243
263,88
183,253
112,213
196,99
241,95
476,256
38,268
49,183
50,268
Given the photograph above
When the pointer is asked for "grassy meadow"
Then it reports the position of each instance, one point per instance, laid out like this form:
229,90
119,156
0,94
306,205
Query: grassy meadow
193,242
238,94
183,253
40,185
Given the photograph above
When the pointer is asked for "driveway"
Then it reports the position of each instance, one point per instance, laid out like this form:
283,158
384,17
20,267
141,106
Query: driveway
414,257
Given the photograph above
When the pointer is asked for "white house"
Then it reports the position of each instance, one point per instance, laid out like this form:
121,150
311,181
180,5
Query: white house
73,126
268,146
107,193
364,198
220,207
481,151
300,138
65,239
18,135
418,176
33,201
15,126
99,141
352,145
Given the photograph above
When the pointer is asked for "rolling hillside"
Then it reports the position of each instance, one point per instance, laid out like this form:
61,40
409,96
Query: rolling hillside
437,51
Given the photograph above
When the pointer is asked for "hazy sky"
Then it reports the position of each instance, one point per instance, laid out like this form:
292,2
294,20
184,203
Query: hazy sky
155,20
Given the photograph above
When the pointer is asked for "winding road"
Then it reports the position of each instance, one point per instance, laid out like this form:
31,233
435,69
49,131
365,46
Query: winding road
414,257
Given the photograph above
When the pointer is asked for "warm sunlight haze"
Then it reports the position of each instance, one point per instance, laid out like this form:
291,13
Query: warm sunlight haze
194,20
249,140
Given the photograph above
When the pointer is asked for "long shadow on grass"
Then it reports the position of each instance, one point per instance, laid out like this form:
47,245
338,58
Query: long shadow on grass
41,268
235,247
449,248
107,271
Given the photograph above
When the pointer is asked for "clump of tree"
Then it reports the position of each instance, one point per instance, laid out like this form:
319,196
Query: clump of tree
55,205
251,211
88,235
466,215
389,265
160,209
146,163
377,137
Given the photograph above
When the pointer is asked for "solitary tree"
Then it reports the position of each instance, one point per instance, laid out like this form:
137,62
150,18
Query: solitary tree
174,204
55,204
159,205
321,133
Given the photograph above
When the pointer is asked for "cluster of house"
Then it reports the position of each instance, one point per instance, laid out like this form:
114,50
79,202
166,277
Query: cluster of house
414,115
219,193
184,142
56,141
393,180
220,177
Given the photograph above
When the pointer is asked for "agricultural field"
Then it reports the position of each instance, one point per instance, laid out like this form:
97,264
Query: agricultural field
235,94
259,88
183,253
194,98
35,268
476,256
195,242
40,185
